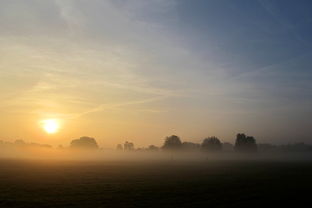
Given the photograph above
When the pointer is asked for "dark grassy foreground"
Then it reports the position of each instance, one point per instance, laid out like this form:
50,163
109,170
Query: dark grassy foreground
167,184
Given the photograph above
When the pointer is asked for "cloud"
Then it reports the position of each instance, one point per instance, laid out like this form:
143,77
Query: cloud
81,50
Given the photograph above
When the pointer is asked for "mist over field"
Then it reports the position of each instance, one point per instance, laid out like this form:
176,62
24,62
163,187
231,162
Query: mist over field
100,179
173,150
177,174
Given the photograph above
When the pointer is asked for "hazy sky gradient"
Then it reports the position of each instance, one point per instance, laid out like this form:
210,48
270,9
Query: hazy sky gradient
141,70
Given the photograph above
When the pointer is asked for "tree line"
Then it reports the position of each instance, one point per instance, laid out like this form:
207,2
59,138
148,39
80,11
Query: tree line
242,143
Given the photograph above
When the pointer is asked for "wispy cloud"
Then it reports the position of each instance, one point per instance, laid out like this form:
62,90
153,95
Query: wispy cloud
87,65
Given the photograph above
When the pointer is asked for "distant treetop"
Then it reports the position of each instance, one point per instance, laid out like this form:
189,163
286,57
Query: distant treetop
212,144
245,143
172,143
84,143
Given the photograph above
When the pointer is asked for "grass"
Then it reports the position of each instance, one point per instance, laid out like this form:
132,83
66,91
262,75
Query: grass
29,183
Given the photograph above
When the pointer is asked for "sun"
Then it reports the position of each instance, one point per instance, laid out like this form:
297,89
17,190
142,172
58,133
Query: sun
50,126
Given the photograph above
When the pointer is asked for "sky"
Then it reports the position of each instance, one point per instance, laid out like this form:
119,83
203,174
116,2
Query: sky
140,70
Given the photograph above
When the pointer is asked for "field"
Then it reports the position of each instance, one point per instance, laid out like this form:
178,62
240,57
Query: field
48,183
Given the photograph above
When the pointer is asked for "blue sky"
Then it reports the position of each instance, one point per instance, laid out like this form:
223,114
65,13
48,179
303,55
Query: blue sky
155,68
253,33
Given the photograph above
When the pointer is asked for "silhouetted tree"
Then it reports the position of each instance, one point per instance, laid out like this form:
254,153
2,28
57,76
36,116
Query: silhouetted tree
245,143
212,144
152,148
172,143
84,143
119,147
128,146
190,146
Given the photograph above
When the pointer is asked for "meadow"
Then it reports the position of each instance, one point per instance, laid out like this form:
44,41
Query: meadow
226,183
